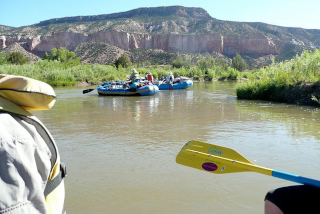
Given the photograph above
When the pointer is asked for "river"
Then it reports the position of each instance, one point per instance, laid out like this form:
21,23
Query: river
120,151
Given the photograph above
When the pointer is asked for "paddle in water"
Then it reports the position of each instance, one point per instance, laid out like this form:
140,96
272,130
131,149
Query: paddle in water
218,159
87,90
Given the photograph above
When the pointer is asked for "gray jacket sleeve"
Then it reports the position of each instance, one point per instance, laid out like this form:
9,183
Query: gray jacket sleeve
24,167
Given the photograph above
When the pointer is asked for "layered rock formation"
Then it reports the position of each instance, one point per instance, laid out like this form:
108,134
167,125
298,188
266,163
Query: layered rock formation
253,44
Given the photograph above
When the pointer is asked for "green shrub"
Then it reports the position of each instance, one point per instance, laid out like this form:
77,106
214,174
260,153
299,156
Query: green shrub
2,59
122,61
16,58
68,58
238,63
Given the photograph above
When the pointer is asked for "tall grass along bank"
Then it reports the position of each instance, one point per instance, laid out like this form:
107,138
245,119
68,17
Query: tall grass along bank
56,73
294,81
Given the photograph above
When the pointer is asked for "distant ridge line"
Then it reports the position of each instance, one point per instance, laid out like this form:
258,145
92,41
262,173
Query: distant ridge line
195,12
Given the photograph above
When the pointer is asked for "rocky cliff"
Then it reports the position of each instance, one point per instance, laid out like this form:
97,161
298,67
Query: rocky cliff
15,47
250,44
171,29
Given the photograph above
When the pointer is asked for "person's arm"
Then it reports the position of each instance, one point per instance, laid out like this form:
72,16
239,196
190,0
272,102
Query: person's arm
24,167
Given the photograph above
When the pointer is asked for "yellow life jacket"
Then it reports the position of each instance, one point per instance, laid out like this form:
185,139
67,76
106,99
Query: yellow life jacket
19,94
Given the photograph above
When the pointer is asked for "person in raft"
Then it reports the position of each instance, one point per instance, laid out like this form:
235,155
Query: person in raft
133,75
171,77
150,77
131,78
292,199
31,173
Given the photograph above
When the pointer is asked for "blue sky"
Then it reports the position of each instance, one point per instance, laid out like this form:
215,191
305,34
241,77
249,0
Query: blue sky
288,13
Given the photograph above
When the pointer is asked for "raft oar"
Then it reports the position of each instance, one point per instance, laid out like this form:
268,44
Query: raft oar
220,160
87,90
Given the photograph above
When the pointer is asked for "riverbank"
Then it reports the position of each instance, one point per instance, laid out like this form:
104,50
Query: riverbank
300,94
296,81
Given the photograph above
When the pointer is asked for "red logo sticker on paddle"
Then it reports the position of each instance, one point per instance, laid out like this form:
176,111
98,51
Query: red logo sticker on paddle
209,166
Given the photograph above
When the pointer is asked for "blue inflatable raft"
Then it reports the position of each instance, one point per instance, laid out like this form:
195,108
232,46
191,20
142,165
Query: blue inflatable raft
120,89
178,83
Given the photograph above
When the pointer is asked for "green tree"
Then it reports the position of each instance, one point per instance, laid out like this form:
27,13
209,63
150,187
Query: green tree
206,63
2,59
123,61
238,63
222,63
63,55
178,62
16,58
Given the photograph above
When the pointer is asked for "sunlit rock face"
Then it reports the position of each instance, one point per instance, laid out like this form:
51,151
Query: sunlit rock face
254,45
251,44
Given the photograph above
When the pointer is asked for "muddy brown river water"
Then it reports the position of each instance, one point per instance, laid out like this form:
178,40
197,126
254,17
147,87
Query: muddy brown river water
120,151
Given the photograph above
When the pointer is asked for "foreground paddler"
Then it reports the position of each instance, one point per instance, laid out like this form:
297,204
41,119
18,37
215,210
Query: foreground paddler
220,160
31,174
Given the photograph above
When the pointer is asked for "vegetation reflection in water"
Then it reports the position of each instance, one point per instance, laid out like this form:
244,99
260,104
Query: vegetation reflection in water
284,114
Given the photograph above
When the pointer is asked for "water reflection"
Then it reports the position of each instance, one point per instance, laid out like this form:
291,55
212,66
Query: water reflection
300,120
189,97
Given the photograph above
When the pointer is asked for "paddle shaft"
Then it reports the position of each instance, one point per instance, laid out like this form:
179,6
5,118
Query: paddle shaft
295,178
259,169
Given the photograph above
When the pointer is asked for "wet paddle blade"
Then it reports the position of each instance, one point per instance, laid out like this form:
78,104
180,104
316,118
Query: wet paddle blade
87,90
211,158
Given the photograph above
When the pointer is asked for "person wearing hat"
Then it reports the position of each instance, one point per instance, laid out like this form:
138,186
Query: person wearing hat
131,79
133,75
31,173
171,77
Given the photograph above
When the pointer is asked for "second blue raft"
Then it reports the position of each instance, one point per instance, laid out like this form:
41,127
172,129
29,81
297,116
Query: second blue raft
178,83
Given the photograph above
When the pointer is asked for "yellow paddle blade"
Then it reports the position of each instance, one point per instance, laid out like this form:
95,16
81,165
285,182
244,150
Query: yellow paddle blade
211,158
